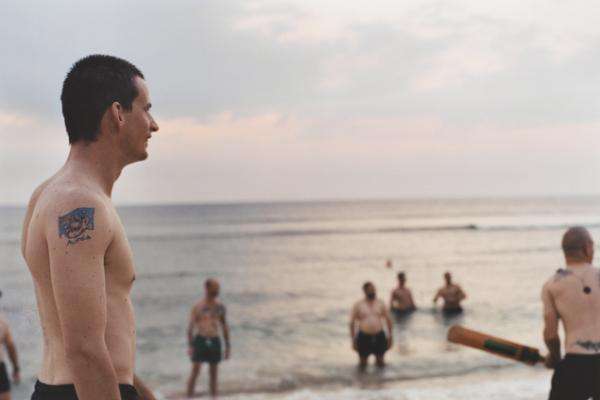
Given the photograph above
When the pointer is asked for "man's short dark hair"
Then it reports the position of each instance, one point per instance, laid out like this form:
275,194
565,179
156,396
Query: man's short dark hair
367,284
91,86
401,276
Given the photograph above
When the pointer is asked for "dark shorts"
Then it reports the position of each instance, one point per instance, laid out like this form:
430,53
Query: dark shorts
576,377
450,312
398,313
67,392
206,350
371,344
4,381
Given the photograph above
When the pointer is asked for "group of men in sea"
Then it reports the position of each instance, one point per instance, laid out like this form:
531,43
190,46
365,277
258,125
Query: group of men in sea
370,316
82,267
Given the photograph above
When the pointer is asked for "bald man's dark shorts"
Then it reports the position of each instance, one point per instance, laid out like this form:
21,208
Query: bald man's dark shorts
67,392
576,377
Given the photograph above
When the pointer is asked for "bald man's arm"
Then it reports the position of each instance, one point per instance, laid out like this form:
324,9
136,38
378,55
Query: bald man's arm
551,336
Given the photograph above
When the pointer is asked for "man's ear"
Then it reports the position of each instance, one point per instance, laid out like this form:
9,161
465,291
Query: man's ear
589,250
116,112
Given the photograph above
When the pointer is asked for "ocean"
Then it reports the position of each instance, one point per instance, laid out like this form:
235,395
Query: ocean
290,273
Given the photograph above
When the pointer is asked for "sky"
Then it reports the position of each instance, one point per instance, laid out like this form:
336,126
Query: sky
304,99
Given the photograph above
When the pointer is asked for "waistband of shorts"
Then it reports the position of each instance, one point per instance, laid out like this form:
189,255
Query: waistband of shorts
582,356
65,389
381,332
207,337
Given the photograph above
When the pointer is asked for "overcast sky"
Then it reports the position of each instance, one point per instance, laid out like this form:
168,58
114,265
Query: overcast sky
307,99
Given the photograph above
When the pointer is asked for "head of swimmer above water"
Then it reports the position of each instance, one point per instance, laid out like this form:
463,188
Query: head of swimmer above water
369,290
212,288
578,246
448,278
401,279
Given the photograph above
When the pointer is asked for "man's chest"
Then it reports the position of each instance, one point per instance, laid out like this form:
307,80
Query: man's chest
118,260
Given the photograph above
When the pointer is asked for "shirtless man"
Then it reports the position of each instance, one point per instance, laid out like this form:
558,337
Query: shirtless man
573,296
369,314
6,340
203,336
75,245
401,301
452,295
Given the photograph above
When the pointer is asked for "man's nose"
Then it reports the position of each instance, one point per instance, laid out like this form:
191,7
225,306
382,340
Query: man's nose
153,126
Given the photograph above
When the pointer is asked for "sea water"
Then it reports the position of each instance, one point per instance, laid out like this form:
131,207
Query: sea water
290,273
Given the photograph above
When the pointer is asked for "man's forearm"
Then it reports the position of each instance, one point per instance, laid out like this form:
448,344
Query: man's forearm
226,335
14,359
93,374
553,345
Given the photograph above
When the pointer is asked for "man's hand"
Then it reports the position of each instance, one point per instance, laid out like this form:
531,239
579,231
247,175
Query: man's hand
390,343
354,344
551,361
190,350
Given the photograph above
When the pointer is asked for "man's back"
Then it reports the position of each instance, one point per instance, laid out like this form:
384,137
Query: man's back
574,294
77,259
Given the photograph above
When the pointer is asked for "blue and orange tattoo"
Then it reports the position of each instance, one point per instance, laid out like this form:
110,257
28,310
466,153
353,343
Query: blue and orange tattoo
75,225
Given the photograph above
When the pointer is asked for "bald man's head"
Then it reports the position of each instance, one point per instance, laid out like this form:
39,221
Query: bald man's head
577,244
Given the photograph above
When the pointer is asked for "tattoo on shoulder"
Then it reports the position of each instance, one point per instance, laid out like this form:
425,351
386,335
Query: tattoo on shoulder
589,345
561,273
74,225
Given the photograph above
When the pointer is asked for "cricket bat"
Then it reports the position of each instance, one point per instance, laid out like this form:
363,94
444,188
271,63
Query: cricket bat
500,347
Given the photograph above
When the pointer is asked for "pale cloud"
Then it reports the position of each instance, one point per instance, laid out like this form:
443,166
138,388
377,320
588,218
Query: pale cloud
285,99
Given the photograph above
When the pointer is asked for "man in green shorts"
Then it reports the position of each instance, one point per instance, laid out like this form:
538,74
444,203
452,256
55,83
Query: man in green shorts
203,336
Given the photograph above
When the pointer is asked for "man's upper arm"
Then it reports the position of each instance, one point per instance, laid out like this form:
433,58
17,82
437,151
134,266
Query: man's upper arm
551,315
223,315
78,235
354,314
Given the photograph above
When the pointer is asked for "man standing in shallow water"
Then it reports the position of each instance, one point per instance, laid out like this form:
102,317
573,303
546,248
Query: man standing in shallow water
203,336
452,294
401,301
75,245
369,314
573,296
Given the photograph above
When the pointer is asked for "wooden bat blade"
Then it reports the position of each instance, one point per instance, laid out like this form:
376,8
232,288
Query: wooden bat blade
495,345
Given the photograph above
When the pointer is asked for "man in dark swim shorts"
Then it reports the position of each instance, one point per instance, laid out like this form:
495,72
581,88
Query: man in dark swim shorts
572,295
369,314
207,316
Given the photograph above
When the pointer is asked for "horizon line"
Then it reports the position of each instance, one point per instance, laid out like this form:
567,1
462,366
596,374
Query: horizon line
341,200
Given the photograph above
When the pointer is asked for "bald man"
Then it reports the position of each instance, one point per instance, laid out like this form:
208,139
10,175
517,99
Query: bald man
572,295
203,336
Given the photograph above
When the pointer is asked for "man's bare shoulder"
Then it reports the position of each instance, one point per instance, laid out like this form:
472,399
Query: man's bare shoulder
556,280
71,211
358,303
